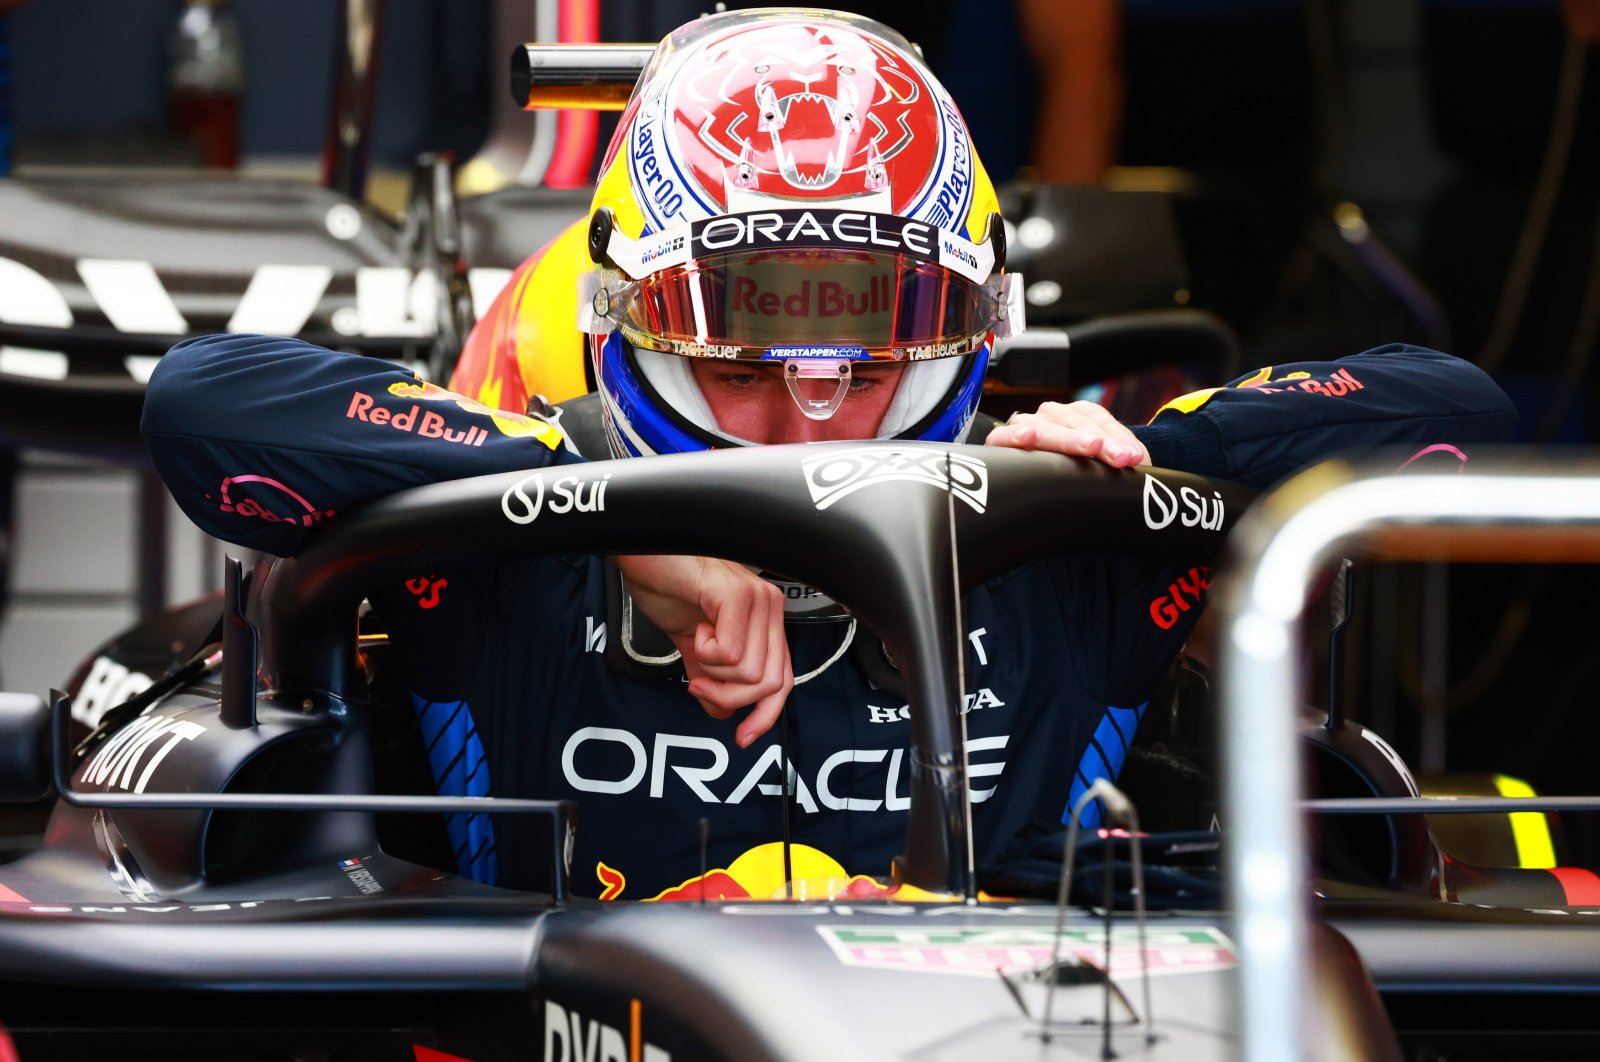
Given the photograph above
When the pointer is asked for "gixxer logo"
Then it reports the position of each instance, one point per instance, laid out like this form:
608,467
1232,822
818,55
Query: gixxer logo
568,494
1162,506
1180,597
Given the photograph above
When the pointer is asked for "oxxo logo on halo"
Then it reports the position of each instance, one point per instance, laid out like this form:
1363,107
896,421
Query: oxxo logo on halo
1162,507
568,494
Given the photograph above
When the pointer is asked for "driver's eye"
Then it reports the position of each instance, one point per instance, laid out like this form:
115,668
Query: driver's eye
867,379
736,380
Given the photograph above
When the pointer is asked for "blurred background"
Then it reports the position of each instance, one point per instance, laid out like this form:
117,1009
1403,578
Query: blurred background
1315,177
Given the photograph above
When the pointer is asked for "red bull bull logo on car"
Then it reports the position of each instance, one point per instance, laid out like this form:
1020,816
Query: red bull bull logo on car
758,874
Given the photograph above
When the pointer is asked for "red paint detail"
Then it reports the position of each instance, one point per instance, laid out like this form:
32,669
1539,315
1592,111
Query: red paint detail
432,600
865,888
490,355
716,117
717,885
577,132
1182,595
426,590
7,896
425,1054
1581,886
612,881
1437,448
8,1050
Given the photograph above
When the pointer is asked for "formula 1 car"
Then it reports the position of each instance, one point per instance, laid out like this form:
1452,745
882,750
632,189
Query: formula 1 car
212,879
228,870
217,833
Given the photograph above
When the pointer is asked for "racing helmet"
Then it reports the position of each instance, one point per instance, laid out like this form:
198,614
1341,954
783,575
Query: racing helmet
794,188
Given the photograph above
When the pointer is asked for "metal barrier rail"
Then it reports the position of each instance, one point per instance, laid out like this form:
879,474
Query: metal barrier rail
1506,509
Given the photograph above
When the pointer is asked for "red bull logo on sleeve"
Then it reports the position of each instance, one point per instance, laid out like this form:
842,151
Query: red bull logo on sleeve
432,425
1339,384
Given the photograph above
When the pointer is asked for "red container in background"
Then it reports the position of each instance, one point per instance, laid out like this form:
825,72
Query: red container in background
205,77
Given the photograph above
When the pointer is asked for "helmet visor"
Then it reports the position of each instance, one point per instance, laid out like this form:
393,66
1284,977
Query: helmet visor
787,304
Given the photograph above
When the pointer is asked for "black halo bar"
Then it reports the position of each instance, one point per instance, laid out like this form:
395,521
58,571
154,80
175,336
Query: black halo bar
61,772
1447,805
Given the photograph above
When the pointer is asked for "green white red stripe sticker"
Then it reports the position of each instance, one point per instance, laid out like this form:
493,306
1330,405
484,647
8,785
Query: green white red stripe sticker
975,952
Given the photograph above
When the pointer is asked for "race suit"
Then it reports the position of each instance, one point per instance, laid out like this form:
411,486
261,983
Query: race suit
262,439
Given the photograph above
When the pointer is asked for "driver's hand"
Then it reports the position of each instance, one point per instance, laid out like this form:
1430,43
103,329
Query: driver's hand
1077,429
728,624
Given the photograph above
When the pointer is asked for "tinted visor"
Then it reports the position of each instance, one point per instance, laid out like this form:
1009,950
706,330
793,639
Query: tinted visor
806,303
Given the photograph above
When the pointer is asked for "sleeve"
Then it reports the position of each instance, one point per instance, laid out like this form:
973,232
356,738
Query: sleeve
1273,422
261,438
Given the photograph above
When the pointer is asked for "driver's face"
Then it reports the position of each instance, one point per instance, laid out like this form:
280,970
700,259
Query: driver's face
752,401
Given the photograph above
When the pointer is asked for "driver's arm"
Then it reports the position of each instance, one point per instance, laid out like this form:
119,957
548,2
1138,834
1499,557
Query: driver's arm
260,439
1270,423
728,624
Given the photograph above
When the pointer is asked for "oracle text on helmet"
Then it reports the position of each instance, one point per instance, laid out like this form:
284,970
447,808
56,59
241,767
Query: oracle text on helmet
768,229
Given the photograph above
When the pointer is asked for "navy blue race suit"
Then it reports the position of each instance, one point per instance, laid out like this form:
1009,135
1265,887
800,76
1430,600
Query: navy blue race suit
260,439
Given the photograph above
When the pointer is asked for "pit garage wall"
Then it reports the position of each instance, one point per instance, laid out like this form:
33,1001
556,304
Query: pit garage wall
77,572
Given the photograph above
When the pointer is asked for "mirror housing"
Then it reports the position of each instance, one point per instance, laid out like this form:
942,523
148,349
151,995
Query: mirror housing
24,748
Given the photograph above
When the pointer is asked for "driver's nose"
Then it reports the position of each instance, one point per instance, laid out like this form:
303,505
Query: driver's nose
786,424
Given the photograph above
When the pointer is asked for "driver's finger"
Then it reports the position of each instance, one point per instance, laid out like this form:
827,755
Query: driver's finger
1031,431
768,708
1093,416
723,690
722,641
735,650
721,698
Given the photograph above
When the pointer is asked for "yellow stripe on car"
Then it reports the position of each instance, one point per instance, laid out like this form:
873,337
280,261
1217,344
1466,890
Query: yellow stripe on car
1530,829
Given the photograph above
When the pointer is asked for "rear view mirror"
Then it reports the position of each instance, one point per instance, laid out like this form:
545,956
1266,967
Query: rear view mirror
24,748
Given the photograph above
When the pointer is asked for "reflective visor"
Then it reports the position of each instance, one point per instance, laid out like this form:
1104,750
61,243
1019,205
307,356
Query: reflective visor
788,284
782,305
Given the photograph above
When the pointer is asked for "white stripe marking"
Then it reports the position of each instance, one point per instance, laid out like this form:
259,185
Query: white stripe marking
486,283
131,295
26,298
280,299
392,302
39,364
140,366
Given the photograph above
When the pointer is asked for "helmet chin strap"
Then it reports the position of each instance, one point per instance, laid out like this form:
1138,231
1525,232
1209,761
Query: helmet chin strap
796,370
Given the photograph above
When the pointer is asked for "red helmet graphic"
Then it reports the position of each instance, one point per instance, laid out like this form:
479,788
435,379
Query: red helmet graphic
803,109
795,108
